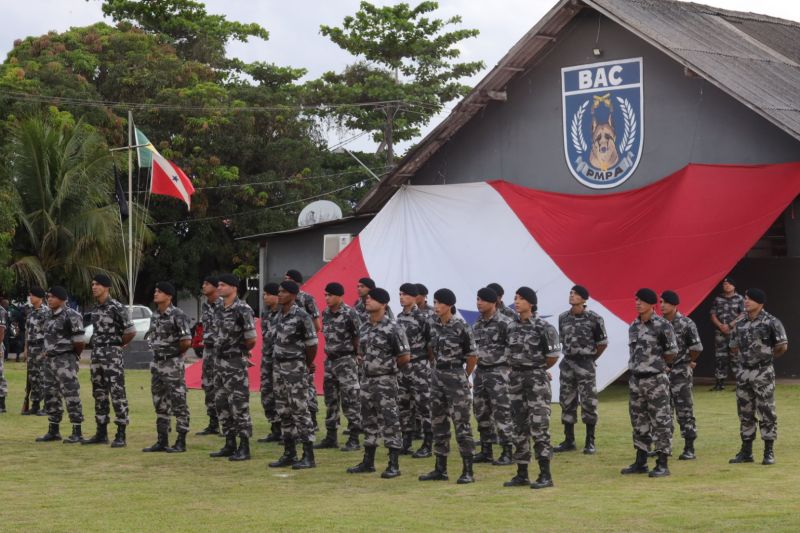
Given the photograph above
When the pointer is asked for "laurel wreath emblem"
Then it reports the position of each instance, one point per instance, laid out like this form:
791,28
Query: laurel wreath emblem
576,129
629,137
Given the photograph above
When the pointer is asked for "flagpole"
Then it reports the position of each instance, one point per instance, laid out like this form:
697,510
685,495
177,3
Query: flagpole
130,212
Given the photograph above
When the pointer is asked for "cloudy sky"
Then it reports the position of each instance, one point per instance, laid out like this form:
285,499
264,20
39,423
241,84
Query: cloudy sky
294,26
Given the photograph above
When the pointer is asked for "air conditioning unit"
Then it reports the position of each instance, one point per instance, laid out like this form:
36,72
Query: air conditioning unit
333,244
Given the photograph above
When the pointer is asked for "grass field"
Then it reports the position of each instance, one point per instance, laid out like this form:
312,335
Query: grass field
55,487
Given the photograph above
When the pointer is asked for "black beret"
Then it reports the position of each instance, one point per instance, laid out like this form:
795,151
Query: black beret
379,295
487,295
422,290
526,293
59,292
445,296
334,288
367,282
272,288
648,296
671,297
38,292
497,288
102,279
581,291
729,279
290,286
211,280
295,275
410,289
229,279
166,287
757,295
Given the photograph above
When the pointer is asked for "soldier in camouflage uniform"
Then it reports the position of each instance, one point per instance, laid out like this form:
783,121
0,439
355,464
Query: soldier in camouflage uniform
340,325
363,287
422,301
533,347
583,340
208,319
307,303
652,344
271,310
294,350
34,331
727,309
452,345
502,308
63,344
236,336
490,382
757,340
113,329
383,347
3,382
681,370
169,339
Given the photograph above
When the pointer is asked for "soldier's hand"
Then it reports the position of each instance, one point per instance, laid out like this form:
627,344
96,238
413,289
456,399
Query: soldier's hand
692,365
549,376
725,328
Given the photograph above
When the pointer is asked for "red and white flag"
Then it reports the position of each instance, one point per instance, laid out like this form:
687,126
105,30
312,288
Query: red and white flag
168,179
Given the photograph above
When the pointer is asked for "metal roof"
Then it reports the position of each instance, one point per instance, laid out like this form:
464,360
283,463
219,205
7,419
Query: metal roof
303,229
754,58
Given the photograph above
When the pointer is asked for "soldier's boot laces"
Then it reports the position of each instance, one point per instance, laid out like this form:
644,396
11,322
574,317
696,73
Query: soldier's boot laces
639,466
393,468
466,471
289,455
331,441
545,479
588,446
688,450
76,436
769,452
352,444
367,464
521,479
568,444
486,455
439,473
662,468
180,443
505,458
243,451
408,442
119,438
424,450
211,429
745,454
274,434
307,460
100,437
229,448
52,434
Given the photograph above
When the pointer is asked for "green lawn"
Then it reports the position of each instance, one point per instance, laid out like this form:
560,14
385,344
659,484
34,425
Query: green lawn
55,487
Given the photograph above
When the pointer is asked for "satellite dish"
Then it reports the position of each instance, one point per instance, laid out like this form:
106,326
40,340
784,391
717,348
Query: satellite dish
319,211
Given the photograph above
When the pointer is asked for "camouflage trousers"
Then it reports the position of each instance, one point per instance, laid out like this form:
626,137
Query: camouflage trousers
291,399
36,362
530,394
61,383
724,362
578,386
450,400
168,387
210,398
379,412
313,407
108,384
414,383
341,385
680,387
232,395
268,389
3,381
755,402
650,412
492,405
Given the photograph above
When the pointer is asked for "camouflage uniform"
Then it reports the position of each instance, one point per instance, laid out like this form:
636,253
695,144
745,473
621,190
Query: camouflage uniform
294,331
580,336
380,345
506,311
649,401
231,384
3,382
490,382
727,311
680,374
754,341
208,318
61,329
530,343
111,321
341,329
452,343
34,331
360,307
167,380
414,380
267,365
306,302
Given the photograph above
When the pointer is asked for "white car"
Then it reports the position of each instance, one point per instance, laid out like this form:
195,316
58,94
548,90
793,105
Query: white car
141,321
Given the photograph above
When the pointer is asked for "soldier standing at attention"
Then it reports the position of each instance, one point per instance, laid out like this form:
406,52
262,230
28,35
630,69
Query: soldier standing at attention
451,346
169,338
583,341
422,301
757,340
208,317
340,326
681,370
294,350
653,347
271,310
533,347
63,344
490,382
113,330
363,287
383,348
725,311
306,302
34,331
3,382
501,307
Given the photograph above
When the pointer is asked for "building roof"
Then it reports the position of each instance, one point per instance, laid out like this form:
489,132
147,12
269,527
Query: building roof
753,58
303,229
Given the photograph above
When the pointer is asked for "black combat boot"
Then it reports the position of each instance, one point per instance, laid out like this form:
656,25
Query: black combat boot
545,479
330,441
274,433
119,438
307,460
101,437
2,402
243,451
439,473
352,444
688,450
745,454
661,469
466,471
568,444
35,409
521,479
229,448
289,455
486,455
212,428
769,452
408,442
180,443
393,468
718,385
367,464
505,458
77,435
588,446
161,444
424,450
639,466
52,433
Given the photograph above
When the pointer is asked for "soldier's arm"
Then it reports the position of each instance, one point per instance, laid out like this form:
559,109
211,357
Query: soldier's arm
599,350
403,360
128,337
184,345
2,332
552,346
780,349
472,361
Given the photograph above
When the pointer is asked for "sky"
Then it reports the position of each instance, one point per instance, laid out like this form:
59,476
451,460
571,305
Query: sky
294,28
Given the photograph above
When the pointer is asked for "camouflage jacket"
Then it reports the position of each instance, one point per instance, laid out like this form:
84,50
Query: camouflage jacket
34,329
649,342
167,330
506,311
235,324
361,308
491,338
417,328
62,328
111,321
581,334
380,344
728,309
294,331
531,342
208,318
307,303
756,338
687,337
452,343
340,329
268,317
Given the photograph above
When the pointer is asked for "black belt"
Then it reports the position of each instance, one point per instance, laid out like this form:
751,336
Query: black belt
104,344
339,355
521,368
161,358
449,366
489,367
762,364
379,375
228,355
